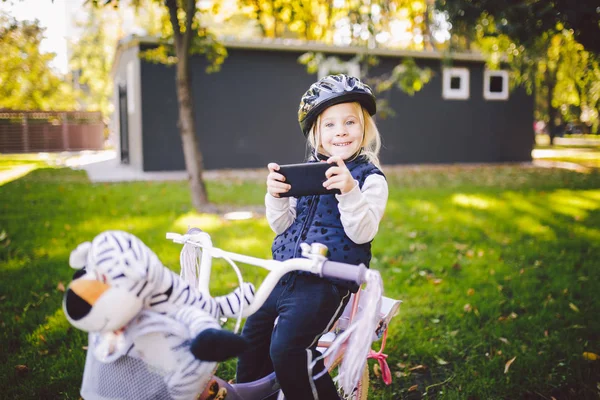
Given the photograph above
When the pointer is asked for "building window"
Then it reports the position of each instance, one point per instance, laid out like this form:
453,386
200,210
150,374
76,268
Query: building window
455,83
333,65
495,85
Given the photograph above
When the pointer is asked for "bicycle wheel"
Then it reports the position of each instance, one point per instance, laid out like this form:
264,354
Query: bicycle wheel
362,388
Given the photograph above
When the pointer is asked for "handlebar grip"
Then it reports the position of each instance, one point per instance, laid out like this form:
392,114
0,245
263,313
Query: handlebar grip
348,272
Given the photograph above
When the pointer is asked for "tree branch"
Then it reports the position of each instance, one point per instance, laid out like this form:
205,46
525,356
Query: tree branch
172,6
189,19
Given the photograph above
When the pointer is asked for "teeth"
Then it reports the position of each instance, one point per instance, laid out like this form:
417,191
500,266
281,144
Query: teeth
342,144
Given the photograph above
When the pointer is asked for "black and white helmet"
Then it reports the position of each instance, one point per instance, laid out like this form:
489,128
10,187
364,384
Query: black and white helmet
331,90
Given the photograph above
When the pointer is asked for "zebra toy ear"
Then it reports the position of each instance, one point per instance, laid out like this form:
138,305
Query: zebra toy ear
78,257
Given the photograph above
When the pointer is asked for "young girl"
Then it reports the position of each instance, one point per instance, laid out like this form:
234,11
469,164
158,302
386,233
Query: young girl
335,117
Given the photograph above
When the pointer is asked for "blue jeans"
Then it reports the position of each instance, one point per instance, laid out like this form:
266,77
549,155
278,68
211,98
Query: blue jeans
307,307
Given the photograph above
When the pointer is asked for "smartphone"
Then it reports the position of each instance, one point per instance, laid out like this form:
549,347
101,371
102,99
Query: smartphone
306,179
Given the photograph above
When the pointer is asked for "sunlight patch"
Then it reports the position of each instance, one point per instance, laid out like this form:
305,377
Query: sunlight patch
474,201
424,206
533,227
572,199
206,222
238,215
16,172
244,245
54,328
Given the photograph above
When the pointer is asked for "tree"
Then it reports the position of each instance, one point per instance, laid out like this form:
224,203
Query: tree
523,21
91,61
185,36
27,81
550,47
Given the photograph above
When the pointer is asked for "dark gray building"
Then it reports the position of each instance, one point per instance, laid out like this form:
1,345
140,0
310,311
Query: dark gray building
246,114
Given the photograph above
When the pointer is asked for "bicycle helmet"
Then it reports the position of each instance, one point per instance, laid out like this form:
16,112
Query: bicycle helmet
331,90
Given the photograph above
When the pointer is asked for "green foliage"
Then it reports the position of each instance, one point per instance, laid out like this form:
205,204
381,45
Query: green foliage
544,55
373,22
27,81
525,21
492,263
91,61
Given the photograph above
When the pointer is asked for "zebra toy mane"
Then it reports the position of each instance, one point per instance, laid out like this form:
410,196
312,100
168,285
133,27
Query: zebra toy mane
136,308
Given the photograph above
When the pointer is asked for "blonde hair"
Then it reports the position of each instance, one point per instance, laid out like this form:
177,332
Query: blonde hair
369,147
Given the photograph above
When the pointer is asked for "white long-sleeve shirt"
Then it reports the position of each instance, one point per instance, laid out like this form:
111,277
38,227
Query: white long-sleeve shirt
361,209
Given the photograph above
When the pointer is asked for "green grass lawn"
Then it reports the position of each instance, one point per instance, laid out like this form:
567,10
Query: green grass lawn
493,264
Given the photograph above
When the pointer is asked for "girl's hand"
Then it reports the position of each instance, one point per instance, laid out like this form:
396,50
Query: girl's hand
339,177
275,181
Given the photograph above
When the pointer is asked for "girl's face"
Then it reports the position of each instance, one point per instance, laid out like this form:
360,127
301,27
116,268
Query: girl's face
340,130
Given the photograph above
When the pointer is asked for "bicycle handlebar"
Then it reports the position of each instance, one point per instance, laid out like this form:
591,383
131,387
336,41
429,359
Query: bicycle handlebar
315,263
348,272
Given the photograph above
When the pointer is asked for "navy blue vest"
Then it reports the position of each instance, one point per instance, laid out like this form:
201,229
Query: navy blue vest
318,220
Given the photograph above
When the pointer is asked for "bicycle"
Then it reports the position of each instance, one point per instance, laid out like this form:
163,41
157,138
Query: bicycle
315,260
345,348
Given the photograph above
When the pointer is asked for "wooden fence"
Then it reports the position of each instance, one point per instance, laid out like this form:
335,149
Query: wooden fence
50,131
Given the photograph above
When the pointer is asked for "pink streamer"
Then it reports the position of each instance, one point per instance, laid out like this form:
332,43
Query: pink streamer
386,374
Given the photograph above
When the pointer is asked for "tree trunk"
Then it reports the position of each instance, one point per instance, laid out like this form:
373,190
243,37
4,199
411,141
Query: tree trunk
187,128
187,124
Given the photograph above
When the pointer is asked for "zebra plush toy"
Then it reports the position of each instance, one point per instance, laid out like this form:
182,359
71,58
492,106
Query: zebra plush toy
136,310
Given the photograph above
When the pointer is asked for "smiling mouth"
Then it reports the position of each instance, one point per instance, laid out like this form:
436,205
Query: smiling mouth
342,144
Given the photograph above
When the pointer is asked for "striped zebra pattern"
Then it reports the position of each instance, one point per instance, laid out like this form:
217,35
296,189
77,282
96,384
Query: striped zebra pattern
122,260
172,315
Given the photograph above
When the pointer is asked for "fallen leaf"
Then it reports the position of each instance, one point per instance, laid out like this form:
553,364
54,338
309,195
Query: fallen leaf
460,246
400,374
504,340
508,364
413,388
418,368
377,370
513,315
42,338
546,333
492,272
84,347
456,267
522,271
437,281
467,308
43,352
441,361
470,292
590,356
60,287
401,365
454,333
573,307
470,253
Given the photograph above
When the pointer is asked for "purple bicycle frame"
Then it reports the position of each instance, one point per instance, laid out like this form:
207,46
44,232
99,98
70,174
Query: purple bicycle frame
260,389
